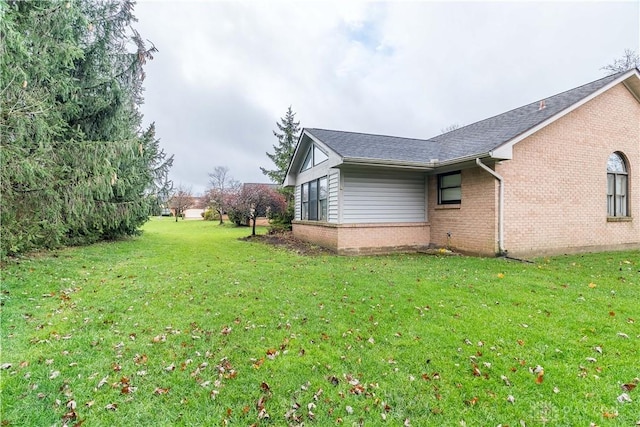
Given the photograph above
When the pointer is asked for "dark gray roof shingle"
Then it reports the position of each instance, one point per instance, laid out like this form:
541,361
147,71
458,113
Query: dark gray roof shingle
475,139
376,147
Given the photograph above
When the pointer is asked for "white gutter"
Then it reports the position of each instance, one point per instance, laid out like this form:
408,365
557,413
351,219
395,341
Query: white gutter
362,161
500,205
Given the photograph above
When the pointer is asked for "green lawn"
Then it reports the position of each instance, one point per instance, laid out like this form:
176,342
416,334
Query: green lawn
188,325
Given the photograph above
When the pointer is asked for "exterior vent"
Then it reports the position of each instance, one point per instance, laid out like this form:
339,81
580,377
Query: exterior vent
542,106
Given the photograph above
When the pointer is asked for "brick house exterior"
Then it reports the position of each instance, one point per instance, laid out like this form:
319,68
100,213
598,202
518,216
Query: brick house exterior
535,180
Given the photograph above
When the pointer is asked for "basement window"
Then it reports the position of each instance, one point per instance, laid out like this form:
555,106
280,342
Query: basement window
449,188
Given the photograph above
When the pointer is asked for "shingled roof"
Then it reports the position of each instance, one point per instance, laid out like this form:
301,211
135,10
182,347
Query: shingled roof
477,139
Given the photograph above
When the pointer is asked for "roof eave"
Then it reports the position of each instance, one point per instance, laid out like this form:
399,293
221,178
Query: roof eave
363,161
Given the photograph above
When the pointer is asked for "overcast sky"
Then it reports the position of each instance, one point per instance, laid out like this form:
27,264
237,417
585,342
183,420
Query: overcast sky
226,71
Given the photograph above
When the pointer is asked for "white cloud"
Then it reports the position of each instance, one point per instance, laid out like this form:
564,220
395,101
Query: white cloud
227,71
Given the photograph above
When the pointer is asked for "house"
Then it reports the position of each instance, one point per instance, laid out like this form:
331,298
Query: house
559,175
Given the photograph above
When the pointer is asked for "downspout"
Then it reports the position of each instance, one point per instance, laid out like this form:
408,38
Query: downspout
501,249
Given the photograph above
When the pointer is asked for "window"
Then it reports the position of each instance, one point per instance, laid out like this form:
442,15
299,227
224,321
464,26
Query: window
313,197
449,188
617,184
322,199
305,200
314,157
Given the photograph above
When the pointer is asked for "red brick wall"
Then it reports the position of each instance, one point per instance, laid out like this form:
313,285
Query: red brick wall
555,186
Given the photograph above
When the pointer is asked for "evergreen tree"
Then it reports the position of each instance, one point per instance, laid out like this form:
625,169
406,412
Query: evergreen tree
75,166
283,151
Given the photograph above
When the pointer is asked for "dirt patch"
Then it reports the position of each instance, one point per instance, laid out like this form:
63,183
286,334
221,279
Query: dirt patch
287,241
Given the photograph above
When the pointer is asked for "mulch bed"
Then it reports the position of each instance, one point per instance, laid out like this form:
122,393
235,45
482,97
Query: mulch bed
287,241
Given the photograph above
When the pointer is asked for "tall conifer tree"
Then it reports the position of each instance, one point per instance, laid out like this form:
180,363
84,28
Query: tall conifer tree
75,165
289,131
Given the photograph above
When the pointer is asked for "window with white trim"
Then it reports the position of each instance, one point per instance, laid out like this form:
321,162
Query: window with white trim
617,186
449,188
313,197
314,157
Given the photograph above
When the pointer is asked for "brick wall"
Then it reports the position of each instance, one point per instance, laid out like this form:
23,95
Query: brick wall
356,239
472,225
321,234
555,186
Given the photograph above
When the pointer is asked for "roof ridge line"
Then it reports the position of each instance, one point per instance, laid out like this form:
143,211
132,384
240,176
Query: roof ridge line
533,102
369,134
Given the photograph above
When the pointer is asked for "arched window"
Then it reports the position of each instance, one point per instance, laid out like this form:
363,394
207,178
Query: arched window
617,186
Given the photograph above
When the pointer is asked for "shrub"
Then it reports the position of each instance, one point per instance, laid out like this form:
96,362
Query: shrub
211,215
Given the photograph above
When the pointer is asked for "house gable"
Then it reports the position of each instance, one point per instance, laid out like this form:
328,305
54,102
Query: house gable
556,183
306,144
630,80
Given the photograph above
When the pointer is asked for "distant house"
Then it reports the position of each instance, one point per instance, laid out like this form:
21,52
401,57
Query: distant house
559,175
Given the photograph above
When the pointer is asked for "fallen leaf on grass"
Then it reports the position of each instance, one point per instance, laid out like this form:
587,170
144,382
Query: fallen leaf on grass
69,416
159,338
476,372
610,415
623,335
511,399
126,389
111,407
140,359
505,380
160,390
102,382
357,389
472,401
624,398
539,372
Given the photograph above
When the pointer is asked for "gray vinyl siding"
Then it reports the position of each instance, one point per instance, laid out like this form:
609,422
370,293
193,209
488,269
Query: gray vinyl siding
298,203
383,197
334,187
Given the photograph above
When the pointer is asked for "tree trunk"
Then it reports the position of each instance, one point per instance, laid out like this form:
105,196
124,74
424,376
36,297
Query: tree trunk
220,213
253,229
177,215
